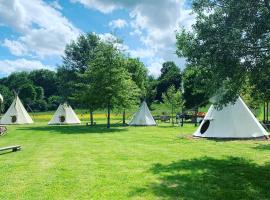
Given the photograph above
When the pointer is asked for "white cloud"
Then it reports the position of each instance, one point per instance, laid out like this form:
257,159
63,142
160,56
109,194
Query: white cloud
44,30
155,67
56,5
15,47
141,53
118,23
154,22
9,66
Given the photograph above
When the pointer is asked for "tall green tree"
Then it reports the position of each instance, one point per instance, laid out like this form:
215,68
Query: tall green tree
138,73
78,54
174,100
170,75
151,89
230,40
110,80
195,82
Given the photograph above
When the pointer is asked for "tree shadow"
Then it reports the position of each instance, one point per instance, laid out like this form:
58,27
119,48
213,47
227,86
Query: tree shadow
75,129
262,147
210,178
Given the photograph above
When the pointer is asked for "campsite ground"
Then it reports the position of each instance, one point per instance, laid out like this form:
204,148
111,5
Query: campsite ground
79,162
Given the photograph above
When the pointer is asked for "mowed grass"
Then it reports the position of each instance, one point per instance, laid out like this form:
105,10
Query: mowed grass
80,162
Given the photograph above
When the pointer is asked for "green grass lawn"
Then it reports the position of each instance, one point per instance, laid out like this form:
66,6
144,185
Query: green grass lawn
79,162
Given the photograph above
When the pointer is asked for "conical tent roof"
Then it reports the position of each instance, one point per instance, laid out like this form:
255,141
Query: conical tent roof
233,121
16,114
142,117
64,115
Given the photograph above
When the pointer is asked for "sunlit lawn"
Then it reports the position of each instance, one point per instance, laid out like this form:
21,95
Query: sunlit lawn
80,162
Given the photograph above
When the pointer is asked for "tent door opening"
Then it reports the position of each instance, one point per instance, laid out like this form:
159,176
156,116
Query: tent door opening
205,126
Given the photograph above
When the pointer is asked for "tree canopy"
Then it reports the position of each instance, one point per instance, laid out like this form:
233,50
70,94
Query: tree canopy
170,76
230,40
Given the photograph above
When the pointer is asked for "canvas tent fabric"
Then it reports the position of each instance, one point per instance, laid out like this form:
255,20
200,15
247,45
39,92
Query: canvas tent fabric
233,121
143,117
16,114
64,115
1,98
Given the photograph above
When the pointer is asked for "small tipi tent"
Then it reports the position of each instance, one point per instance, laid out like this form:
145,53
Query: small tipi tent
16,114
64,115
233,121
142,117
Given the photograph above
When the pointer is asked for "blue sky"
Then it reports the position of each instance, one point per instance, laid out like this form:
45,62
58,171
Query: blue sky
33,33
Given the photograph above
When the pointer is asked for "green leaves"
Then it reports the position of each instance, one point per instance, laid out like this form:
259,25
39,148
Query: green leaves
230,40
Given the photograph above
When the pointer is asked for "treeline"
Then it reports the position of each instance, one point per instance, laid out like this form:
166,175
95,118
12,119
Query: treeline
38,89
94,73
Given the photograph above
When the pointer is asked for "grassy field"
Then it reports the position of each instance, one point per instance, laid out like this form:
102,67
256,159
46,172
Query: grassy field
80,162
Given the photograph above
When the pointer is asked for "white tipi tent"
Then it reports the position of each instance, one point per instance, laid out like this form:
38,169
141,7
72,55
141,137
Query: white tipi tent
142,117
64,115
16,114
233,121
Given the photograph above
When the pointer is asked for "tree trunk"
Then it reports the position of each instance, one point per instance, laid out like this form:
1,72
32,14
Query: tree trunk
109,116
182,118
172,116
267,112
264,113
124,117
91,118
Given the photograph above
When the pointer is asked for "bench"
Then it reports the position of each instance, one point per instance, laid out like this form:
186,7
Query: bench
165,118
13,148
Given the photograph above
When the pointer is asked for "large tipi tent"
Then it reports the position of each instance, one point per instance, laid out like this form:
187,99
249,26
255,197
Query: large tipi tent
64,115
143,117
16,114
233,121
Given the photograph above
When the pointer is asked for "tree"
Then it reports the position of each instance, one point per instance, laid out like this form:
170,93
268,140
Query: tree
39,93
110,81
78,54
27,93
53,102
173,99
138,73
170,75
8,97
151,90
230,40
195,81
45,79
16,80
73,84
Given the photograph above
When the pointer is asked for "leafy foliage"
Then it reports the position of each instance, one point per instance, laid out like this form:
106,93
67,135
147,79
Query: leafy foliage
230,40
174,100
170,75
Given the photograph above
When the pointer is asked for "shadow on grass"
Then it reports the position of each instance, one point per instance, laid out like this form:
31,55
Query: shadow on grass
75,129
263,147
210,178
6,152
